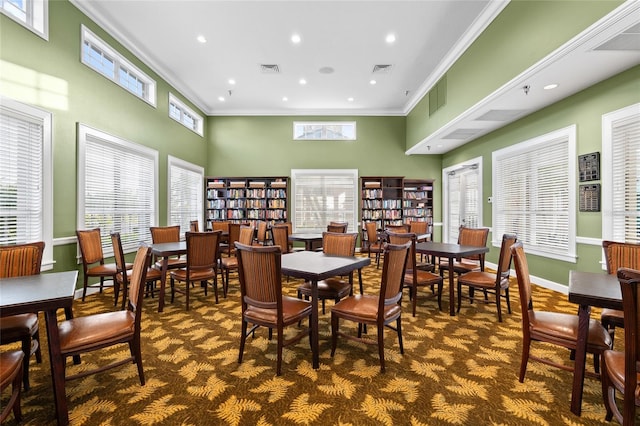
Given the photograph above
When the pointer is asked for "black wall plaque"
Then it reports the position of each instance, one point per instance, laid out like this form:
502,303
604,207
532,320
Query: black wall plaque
589,166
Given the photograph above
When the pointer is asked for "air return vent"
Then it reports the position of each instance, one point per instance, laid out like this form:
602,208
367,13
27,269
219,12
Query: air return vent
270,69
626,40
463,134
382,69
501,115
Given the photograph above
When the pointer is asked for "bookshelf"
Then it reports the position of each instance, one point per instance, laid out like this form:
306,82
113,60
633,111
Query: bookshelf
417,205
246,199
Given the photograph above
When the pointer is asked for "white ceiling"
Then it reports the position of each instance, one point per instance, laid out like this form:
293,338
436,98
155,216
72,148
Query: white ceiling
349,37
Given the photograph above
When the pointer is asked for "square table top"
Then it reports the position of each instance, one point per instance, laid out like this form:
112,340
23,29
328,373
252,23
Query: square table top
37,292
315,265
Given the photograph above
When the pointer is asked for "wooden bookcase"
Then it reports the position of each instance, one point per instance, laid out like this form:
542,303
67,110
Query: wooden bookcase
246,199
417,205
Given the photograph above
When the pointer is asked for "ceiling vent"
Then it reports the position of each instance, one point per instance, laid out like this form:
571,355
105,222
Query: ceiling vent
463,134
382,69
270,69
626,40
501,115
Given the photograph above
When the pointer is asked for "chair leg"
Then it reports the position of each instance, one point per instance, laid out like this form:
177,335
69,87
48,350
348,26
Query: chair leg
38,352
243,338
499,307
399,330
415,299
334,333
187,294
84,286
26,349
279,357
459,290
173,290
381,346
136,353
525,358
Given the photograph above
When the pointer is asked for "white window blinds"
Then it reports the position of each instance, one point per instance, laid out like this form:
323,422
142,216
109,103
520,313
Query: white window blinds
463,193
117,188
621,175
323,196
534,194
186,182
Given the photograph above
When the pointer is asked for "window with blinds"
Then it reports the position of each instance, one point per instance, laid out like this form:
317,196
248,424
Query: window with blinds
117,188
621,175
26,206
534,194
323,196
186,183
32,14
462,197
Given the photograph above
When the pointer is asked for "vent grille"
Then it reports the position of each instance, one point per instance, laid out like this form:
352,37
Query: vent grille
463,134
626,40
382,69
270,69
501,115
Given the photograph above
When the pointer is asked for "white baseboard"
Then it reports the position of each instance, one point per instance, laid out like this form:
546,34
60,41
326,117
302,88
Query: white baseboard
542,282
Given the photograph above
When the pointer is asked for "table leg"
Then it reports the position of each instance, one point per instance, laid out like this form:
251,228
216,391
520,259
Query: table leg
57,371
584,313
315,350
163,282
452,311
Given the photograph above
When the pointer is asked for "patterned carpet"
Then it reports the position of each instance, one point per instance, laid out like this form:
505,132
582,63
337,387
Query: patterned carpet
455,371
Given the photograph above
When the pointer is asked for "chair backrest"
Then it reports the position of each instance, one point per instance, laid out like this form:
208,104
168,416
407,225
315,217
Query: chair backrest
476,237
629,280
280,236
260,277
246,234
194,226
21,259
393,270
118,255
261,232
524,283
406,238
141,263
339,244
221,225
90,243
165,234
621,255
399,229
337,227
234,235
504,262
372,232
202,250
418,227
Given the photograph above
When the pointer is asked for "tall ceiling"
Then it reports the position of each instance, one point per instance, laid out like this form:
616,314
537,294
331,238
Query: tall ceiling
342,48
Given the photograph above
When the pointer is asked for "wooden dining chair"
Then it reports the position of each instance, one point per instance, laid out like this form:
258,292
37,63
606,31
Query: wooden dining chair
380,310
280,237
223,226
16,261
415,277
261,233
262,300
496,283
476,237
237,233
556,328
93,264
202,264
167,234
194,226
339,227
11,364
373,244
98,331
620,369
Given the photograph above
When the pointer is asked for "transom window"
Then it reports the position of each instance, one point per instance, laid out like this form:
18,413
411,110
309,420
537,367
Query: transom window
32,14
324,131
534,194
102,58
184,115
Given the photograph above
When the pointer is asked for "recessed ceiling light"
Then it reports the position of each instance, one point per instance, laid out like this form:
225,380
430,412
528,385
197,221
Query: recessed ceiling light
550,86
201,39
303,81
285,99
350,99
372,82
232,81
296,39
221,99
390,38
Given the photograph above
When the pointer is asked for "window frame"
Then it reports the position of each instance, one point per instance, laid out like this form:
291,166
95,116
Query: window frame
45,118
473,164
352,173
87,135
35,10
565,135
608,181
177,162
120,64
325,125
186,111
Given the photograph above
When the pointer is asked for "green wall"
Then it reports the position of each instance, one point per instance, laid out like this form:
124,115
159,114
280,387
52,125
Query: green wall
585,110
521,35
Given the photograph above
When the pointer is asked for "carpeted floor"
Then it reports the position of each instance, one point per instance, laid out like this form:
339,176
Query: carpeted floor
455,371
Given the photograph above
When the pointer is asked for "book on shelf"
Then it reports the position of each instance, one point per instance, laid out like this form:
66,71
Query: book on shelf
256,184
372,184
279,184
236,184
216,184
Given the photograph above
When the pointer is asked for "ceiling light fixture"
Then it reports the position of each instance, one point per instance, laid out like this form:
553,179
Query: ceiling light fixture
295,39
303,81
232,81
372,82
550,86
285,99
201,39
390,38
350,99
221,99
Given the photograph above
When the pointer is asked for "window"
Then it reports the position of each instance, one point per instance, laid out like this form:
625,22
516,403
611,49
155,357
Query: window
324,131
462,195
621,175
99,56
26,203
32,14
185,116
534,194
116,188
185,196
323,196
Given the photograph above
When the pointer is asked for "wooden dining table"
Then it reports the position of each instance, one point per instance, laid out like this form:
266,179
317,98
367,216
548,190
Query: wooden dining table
164,251
451,252
587,289
310,239
44,293
315,266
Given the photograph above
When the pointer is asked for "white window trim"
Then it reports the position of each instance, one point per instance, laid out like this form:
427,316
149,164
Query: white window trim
42,7
174,161
47,172
325,124
606,165
199,122
445,193
569,133
87,34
